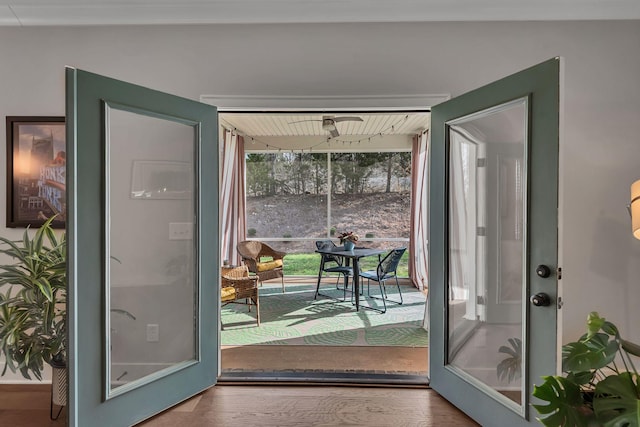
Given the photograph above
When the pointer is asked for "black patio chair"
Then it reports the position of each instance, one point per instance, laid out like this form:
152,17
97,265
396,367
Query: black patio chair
386,270
332,264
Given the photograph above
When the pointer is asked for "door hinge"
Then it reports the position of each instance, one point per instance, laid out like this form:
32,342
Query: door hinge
479,300
481,231
481,162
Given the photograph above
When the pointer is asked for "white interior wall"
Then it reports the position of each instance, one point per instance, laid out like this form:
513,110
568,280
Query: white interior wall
600,147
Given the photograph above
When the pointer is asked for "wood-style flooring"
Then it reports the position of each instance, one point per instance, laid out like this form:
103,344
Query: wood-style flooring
264,406
282,404
285,406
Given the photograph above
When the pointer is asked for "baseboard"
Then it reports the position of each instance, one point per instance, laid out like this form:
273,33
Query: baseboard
26,386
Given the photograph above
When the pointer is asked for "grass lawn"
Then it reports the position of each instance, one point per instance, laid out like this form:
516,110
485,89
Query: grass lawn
308,264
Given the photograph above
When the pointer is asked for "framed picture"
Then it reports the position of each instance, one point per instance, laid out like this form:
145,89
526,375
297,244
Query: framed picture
36,171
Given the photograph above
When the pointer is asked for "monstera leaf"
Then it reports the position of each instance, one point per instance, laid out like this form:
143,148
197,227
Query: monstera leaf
595,392
617,400
581,378
589,353
565,406
595,323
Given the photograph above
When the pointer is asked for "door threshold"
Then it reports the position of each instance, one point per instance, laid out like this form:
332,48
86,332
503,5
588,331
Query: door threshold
323,378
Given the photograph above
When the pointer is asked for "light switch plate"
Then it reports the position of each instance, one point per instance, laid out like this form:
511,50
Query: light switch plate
153,332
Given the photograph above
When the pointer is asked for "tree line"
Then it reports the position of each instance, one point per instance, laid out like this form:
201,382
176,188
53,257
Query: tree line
270,174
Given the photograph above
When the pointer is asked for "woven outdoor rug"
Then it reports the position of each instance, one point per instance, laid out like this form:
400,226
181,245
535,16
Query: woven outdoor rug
294,318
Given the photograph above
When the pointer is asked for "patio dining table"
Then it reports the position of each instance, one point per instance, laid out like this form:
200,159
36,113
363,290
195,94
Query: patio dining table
355,255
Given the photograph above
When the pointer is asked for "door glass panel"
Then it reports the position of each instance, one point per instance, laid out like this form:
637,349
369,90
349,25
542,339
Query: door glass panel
151,278
487,246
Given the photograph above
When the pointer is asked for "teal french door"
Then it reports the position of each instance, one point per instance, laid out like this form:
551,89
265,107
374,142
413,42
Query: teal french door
493,245
142,183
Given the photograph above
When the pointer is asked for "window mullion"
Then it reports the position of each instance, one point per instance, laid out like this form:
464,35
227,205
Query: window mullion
329,194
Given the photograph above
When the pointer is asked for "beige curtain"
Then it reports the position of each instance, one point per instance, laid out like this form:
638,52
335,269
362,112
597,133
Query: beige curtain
418,244
232,210
457,220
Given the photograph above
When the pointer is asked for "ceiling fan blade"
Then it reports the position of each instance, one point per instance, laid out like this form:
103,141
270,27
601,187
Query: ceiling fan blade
347,119
334,133
302,121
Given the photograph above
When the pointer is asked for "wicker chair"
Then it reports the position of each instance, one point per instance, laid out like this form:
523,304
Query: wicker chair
239,288
262,260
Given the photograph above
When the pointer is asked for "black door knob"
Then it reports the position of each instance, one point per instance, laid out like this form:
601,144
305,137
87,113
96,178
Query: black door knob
543,271
540,300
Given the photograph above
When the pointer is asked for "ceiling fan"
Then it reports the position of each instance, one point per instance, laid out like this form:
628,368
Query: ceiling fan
329,123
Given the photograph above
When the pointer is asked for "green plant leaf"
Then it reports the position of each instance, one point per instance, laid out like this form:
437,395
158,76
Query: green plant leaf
38,240
580,378
611,329
594,323
589,353
45,287
51,236
32,318
566,406
617,400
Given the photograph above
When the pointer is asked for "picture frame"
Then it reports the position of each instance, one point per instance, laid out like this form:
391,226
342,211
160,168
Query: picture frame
36,171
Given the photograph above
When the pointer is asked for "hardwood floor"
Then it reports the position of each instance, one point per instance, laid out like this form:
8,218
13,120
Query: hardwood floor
281,405
313,406
27,406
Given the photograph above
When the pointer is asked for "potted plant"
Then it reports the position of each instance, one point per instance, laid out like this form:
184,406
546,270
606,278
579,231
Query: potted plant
601,387
348,239
33,306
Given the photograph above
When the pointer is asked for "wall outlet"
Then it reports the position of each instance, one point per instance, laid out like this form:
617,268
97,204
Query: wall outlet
180,231
153,332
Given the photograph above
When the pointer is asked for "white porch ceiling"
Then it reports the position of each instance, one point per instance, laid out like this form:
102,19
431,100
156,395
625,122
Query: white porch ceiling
282,125
150,12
